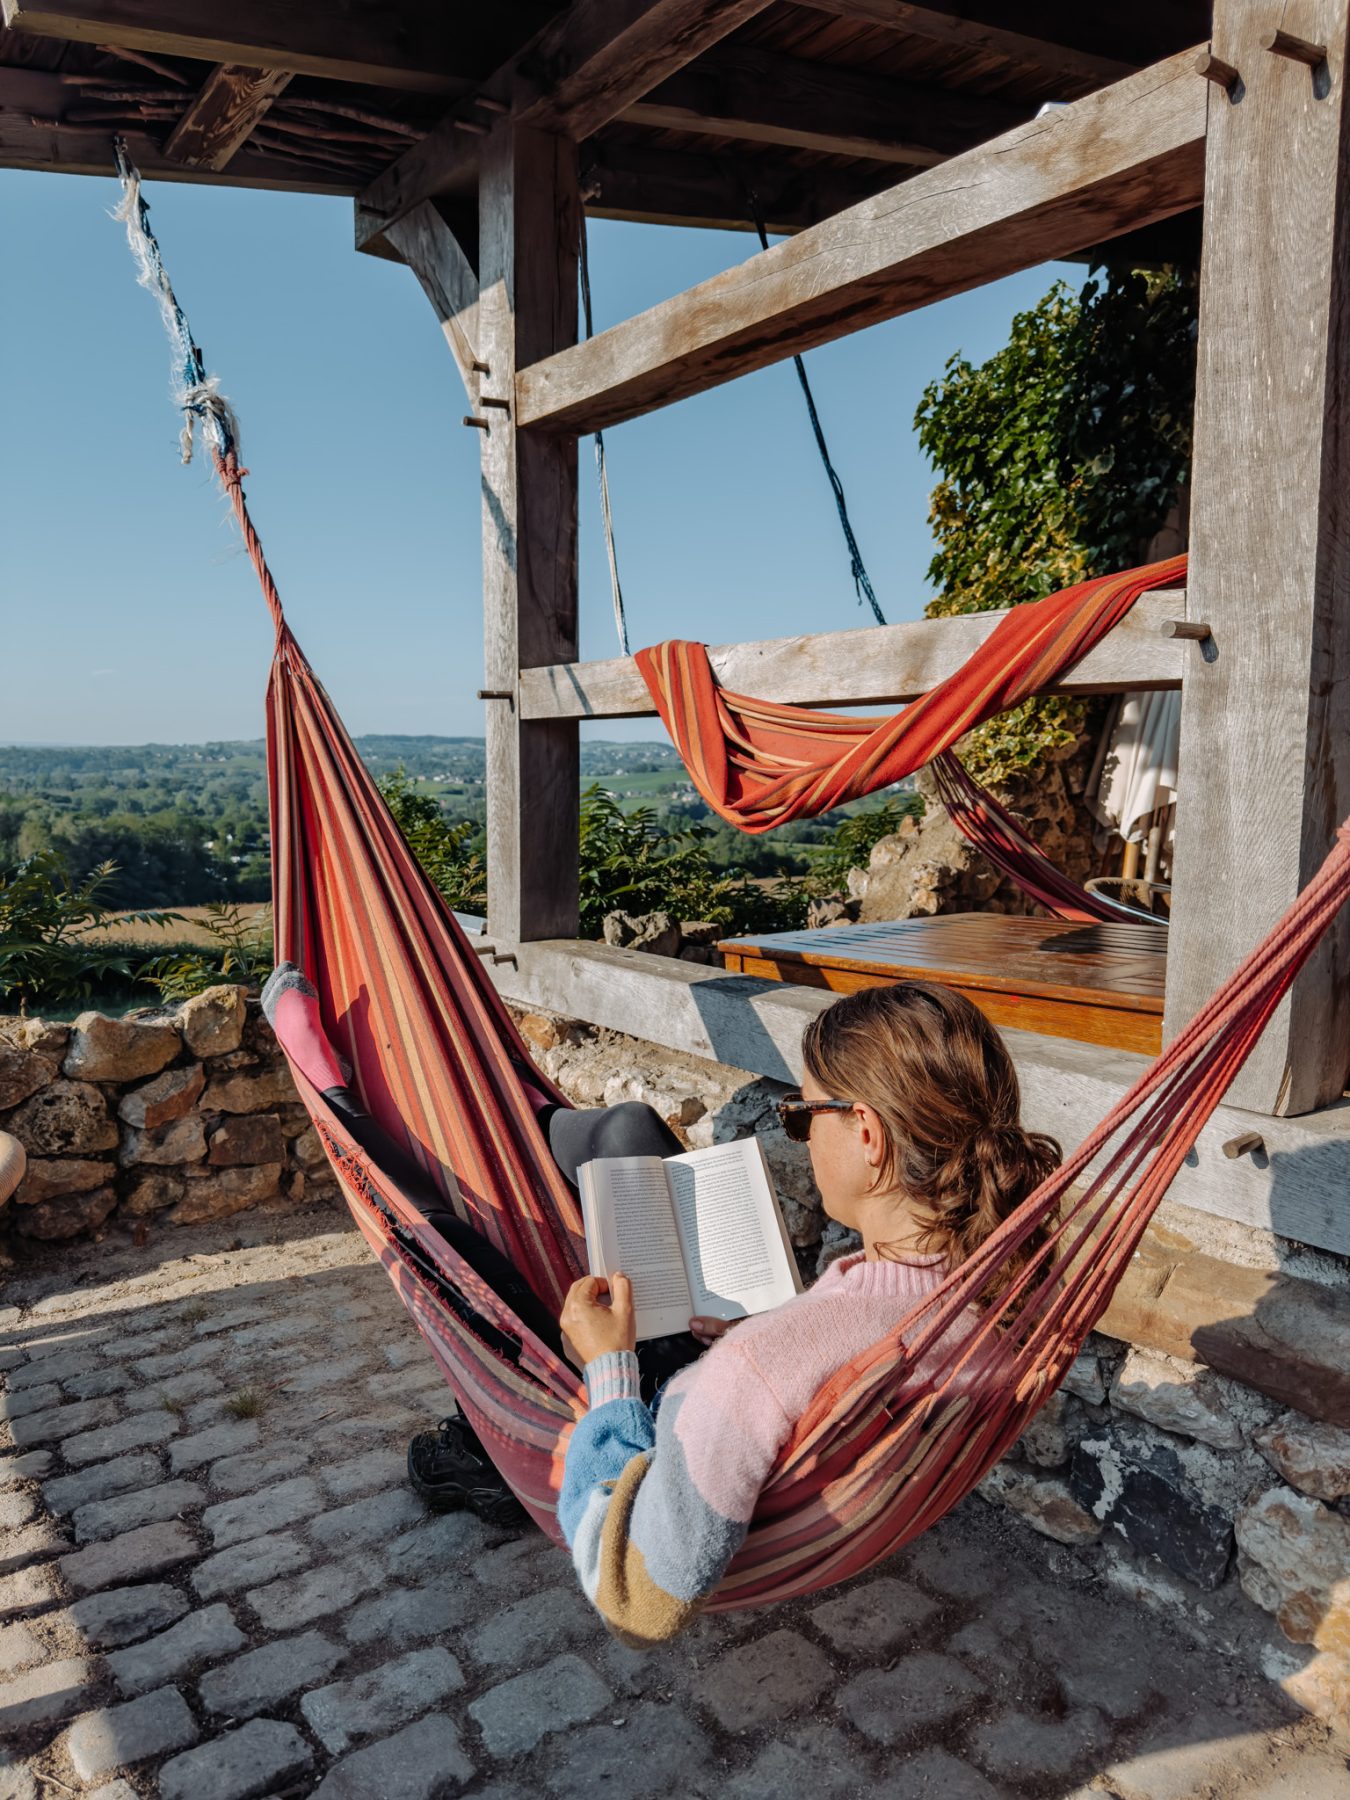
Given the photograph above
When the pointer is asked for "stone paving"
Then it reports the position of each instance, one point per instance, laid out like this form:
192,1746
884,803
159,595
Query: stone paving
214,1585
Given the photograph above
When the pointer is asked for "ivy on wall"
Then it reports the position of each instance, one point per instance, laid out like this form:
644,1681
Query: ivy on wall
1058,459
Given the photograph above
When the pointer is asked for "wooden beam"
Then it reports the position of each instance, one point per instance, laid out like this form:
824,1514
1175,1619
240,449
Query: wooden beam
1297,1188
755,95
529,228
1265,725
426,243
229,104
1077,42
419,45
870,665
1109,163
588,64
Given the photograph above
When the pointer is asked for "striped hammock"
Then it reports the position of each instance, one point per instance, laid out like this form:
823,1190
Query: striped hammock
901,1433
760,764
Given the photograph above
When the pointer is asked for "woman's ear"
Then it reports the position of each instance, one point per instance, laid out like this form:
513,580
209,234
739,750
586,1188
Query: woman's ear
871,1135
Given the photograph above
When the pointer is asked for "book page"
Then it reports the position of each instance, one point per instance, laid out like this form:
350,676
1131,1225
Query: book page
625,1204
735,1246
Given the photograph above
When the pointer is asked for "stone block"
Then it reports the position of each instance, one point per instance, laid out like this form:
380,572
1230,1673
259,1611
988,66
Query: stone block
263,1757
934,1775
418,1763
516,1714
249,1565
249,1093
920,1690
253,1469
148,1506
264,1678
538,1625
232,1521
32,1465
122,1615
322,1593
149,1550
219,1441
47,1178
183,1141
23,1401
62,1420
1019,1747
308,1150
658,1752
174,1362
1085,1378
43,1695
405,1616
23,1073
1177,1396
1144,1490
247,1138
98,1383
766,1679
1045,1502
174,1391
58,1366
165,1099
390,1695
105,1049
359,1474
817,1760
1312,1457
120,1476
224,1191
1296,1563
871,1619
212,1022
117,1736
152,1191
437,1548
112,1440
201,1637
52,1221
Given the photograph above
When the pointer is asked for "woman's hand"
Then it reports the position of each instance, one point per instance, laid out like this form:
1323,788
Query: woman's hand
708,1330
597,1317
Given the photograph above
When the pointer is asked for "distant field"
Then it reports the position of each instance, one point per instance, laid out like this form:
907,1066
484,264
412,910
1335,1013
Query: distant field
121,930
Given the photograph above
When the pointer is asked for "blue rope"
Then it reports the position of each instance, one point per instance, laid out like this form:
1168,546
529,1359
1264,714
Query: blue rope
195,392
862,586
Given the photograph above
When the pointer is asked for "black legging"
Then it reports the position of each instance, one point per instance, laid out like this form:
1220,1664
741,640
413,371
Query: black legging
575,1135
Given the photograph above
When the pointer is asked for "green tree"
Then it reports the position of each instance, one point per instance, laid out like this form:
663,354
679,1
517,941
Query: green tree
451,854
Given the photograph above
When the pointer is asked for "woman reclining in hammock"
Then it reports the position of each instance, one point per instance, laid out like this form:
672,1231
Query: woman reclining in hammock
909,1106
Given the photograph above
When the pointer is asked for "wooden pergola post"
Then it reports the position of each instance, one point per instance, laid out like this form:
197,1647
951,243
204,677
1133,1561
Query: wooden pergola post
529,221
1265,722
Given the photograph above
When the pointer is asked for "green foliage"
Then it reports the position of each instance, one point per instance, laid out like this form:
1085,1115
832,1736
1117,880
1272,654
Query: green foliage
633,863
852,839
48,948
240,950
452,854
1058,459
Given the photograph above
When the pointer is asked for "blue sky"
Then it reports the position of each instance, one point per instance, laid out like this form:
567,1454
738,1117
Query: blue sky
130,613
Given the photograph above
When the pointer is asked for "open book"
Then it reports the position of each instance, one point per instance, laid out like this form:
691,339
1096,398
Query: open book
699,1233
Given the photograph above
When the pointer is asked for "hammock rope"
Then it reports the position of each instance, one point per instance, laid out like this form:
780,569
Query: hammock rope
901,1433
601,468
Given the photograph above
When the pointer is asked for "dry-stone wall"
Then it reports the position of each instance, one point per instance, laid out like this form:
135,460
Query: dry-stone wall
173,1115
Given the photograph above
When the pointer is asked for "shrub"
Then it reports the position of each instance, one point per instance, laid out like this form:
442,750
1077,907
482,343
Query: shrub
49,952
240,950
451,854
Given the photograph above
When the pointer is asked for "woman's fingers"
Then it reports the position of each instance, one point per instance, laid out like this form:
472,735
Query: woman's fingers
708,1330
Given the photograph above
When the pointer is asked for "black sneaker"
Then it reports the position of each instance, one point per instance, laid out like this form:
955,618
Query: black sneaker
450,1469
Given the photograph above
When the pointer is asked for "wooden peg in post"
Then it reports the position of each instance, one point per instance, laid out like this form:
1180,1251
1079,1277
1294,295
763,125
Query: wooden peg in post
501,405
1185,628
470,125
1297,49
481,368
490,105
1215,69
1248,1143
495,694
478,424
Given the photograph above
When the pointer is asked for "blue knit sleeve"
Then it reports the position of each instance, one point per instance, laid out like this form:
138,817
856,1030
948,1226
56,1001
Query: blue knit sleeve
617,1428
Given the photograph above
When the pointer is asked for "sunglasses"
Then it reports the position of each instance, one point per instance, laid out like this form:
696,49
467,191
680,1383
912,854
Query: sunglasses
795,1114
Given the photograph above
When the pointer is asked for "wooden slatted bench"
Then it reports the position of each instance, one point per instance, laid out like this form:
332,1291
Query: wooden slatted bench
1100,984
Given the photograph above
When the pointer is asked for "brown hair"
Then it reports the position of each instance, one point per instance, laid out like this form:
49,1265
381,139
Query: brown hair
940,1078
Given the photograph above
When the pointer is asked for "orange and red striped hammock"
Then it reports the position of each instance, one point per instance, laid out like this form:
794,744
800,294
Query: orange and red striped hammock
760,764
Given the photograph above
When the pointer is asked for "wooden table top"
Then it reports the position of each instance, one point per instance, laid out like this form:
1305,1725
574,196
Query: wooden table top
1125,963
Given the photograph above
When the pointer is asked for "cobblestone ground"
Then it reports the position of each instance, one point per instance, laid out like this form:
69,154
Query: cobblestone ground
214,1584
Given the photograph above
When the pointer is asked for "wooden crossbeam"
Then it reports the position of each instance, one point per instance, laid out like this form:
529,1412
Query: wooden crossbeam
742,92
227,107
420,45
664,187
1115,160
870,665
582,70
426,243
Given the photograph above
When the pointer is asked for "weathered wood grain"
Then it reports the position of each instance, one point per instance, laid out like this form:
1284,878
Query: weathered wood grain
755,95
529,222
1116,160
1265,725
1297,1189
425,242
871,664
419,45
228,105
